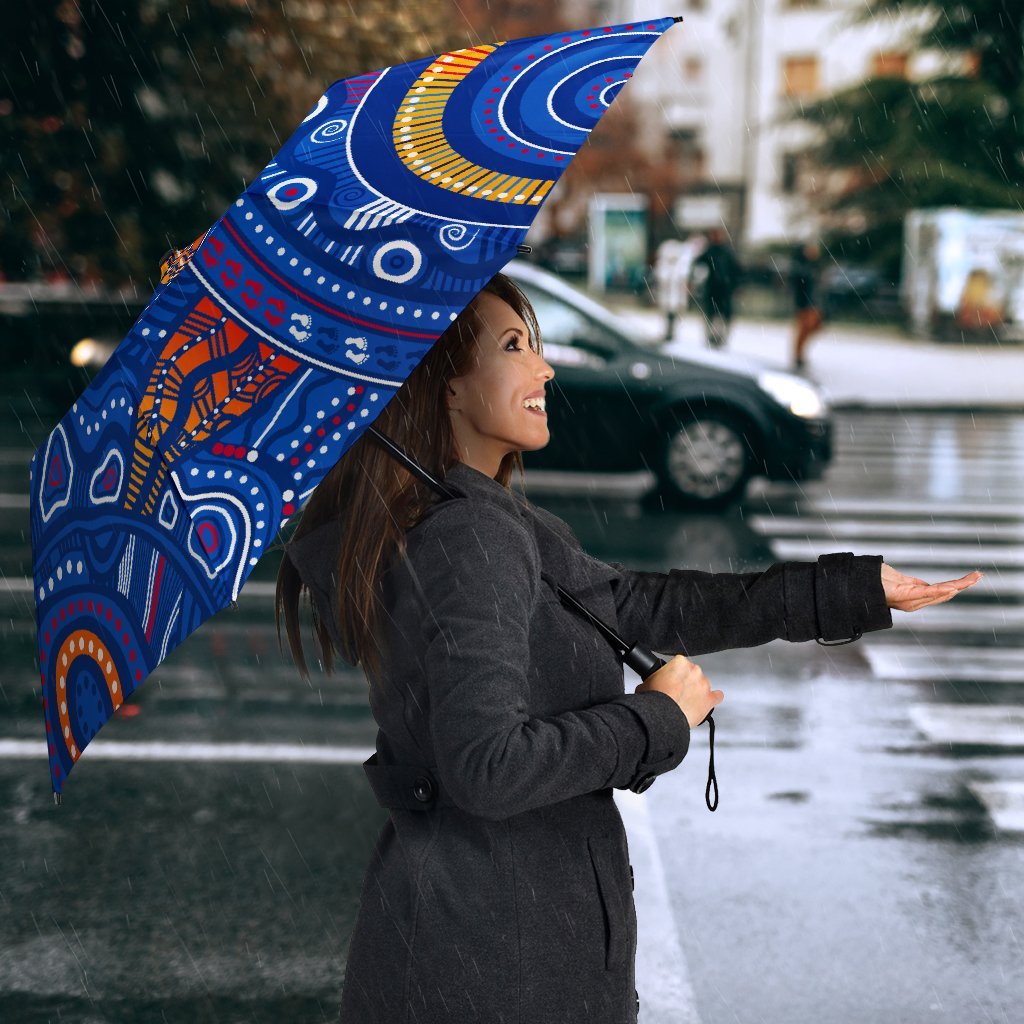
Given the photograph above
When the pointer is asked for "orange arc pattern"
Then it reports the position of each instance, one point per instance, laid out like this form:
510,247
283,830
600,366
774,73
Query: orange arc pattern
83,643
418,135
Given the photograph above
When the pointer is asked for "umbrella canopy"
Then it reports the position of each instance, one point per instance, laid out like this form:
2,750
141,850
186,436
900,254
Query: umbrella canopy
297,317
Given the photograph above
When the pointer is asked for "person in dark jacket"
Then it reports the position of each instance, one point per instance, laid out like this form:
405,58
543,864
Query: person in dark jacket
500,888
721,272
803,281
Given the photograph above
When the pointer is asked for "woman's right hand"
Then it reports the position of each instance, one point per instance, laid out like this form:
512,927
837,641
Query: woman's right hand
687,685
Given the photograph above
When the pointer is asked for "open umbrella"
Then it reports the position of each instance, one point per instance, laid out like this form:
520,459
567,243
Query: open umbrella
295,320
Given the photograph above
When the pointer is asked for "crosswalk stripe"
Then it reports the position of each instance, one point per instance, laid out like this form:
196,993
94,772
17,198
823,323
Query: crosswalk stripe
923,460
949,663
988,725
1004,801
970,556
913,507
995,583
950,529
950,617
110,750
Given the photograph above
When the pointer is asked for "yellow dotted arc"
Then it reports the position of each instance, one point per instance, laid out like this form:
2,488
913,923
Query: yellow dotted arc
83,643
419,139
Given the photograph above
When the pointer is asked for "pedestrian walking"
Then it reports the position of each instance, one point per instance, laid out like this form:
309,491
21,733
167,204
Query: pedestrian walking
721,272
803,281
500,887
672,266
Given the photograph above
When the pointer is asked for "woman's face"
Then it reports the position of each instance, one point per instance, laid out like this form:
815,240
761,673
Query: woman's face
488,416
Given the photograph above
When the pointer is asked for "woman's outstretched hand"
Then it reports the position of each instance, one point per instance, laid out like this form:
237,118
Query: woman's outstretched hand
908,593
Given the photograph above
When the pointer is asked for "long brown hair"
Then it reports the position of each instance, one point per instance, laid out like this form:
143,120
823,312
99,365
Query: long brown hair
375,499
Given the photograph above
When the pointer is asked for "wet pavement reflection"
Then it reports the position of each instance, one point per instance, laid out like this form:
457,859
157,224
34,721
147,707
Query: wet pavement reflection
863,864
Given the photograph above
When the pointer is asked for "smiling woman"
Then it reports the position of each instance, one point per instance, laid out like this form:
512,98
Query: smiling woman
479,351
500,886
499,406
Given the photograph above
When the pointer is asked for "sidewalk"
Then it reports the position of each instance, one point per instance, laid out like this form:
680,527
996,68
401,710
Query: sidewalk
863,365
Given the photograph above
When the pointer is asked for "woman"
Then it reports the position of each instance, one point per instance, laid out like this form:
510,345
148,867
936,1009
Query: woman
803,280
500,886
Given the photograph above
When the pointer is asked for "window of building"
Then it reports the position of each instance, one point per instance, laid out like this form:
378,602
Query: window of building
693,69
800,76
889,64
790,172
686,150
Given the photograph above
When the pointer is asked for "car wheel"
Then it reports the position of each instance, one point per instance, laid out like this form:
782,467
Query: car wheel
705,460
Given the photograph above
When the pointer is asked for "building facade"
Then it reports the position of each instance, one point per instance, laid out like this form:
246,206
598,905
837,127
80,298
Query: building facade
724,85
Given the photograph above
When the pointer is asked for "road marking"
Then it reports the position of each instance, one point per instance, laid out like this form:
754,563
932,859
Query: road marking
953,664
970,725
912,507
906,529
662,975
964,617
1004,802
972,556
111,750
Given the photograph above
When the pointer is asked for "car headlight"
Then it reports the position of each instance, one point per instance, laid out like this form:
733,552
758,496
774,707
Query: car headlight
799,397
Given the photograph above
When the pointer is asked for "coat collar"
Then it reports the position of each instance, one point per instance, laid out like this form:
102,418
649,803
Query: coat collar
474,484
316,554
561,553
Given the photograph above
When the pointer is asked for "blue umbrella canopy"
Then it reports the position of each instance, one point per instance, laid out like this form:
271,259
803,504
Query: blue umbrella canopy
298,316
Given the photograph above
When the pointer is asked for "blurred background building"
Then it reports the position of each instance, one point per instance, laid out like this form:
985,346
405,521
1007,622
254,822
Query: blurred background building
779,120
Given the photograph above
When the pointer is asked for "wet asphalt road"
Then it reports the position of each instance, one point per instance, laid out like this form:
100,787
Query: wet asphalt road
853,871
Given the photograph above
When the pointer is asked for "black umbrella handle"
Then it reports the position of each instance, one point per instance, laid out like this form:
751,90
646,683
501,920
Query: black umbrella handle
645,663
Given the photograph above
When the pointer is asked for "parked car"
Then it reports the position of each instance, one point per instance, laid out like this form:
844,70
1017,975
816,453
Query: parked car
704,423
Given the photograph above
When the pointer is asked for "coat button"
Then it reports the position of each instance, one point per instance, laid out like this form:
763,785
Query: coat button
643,783
423,789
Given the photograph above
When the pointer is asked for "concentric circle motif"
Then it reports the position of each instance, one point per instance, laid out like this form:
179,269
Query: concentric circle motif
288,194
609,92
88,688
398,261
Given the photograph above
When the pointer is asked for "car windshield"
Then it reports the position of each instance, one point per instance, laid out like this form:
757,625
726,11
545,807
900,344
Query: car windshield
570,318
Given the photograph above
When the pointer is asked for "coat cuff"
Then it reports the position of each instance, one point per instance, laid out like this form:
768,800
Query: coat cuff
849,596
668,735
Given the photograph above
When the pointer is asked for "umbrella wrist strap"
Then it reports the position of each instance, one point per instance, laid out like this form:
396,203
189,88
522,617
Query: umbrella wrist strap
712,778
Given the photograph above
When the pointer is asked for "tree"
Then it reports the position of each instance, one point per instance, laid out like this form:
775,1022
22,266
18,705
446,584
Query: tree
955,138
130,125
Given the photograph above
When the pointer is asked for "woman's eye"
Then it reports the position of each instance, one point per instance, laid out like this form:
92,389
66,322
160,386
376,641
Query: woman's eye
514,342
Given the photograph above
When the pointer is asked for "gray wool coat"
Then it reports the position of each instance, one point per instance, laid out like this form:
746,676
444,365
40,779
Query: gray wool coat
500,889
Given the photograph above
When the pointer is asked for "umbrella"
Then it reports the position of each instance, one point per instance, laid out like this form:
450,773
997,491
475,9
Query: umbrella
272,346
